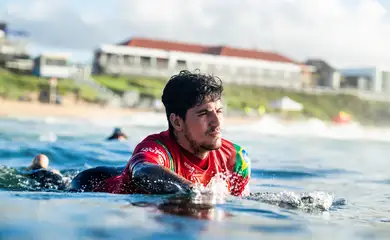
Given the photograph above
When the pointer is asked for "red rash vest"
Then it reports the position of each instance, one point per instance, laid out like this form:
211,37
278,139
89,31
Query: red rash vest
162,149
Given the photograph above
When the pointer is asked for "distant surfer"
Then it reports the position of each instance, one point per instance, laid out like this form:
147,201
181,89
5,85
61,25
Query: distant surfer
39,170
117,135
190,152
41,161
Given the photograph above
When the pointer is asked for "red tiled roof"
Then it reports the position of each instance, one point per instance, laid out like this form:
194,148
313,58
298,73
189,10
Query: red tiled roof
270,56
215,50
165,45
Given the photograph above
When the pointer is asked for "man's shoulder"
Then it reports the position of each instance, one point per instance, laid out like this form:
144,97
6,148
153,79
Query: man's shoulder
154,138
230,146
152,149
239,157
153,142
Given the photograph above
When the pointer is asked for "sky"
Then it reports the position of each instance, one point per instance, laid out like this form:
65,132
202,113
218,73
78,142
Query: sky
345,33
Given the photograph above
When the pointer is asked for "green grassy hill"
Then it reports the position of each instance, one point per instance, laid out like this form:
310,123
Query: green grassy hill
323,106
13,86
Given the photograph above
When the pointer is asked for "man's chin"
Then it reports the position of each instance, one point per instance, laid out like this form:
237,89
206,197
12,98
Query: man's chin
213,146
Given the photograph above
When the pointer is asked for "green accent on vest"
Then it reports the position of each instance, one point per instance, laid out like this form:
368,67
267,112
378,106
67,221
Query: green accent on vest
171,162
242,164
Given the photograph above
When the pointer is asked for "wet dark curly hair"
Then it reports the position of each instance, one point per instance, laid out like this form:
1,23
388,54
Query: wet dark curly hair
186,90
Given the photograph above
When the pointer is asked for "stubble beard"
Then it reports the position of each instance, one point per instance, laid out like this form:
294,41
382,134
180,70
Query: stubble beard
198,148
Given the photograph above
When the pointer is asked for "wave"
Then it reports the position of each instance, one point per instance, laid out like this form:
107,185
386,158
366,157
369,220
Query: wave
269,125
146,119
308,201
14,179
299,173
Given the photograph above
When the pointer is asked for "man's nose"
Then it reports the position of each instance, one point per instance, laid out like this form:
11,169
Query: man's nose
215,119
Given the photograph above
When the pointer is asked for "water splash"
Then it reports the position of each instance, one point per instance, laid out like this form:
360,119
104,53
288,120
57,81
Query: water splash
308,201
215,192
12,179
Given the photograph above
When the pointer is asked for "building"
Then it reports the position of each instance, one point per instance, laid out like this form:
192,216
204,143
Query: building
148,57
370,79
324,75
13,54
49,65
307,76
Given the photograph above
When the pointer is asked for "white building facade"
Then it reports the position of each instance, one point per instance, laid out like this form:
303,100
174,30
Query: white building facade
51,64
141,61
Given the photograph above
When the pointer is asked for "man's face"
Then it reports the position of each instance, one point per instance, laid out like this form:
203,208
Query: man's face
202,127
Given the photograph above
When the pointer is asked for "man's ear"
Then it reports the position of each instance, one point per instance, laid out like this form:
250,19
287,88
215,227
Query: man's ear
177,122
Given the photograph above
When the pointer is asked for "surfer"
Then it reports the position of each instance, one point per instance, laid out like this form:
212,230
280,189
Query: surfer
117,135
41,161
192,150
39,170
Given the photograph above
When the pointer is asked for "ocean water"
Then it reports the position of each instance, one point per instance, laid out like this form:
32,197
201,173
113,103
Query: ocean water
309,180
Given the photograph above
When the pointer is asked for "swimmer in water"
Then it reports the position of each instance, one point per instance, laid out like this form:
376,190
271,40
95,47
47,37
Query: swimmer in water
39,171
117,135
41,161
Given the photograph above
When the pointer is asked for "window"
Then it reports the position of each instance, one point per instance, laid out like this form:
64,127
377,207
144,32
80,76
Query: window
146,61
181,64
162,62
112,59
128,60
55,62
196,65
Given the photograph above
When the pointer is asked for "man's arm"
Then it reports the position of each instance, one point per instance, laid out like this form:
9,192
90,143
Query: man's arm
150,168
157,179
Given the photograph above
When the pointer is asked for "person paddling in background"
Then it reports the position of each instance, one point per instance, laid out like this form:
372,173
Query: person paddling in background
41,161
192,150
117,135
39,171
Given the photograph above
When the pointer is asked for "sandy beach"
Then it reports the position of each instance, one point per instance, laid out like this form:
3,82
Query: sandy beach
10,108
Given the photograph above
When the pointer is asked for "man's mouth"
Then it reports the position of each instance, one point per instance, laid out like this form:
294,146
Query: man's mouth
214,132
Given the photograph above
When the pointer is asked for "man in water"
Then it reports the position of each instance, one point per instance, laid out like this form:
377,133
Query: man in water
41,161
117,135
192,150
